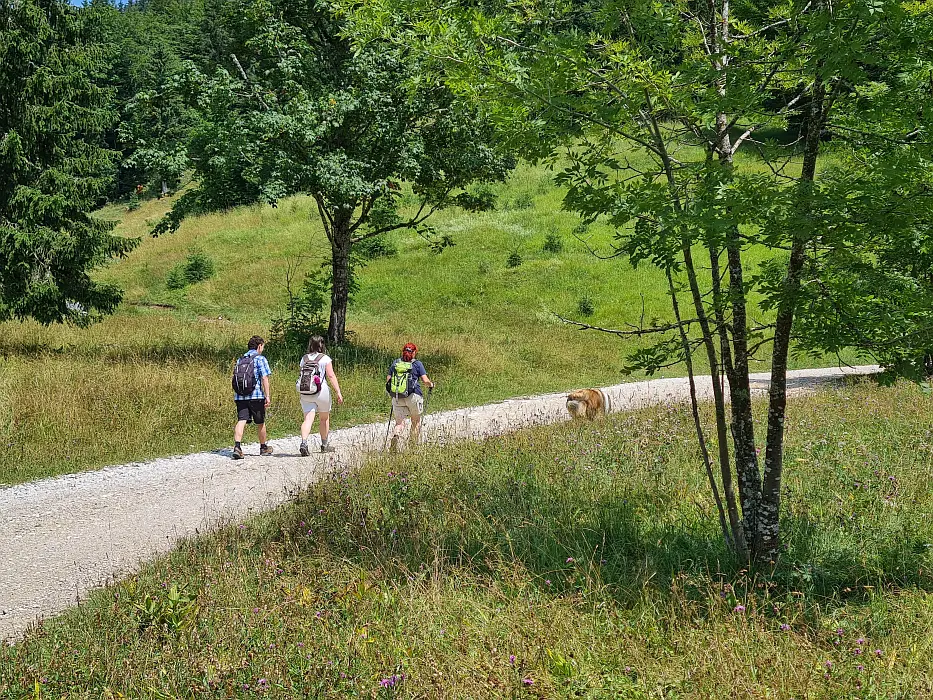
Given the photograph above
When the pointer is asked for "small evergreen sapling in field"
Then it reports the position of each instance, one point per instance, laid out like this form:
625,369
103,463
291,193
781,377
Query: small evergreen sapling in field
514,259
553,243
586,307
197,267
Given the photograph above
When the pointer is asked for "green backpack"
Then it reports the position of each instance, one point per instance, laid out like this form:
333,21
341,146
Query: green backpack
402,382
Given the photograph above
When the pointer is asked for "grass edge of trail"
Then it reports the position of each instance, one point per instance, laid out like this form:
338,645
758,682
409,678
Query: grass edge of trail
582,558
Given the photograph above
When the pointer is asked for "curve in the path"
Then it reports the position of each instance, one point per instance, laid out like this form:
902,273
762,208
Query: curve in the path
61,537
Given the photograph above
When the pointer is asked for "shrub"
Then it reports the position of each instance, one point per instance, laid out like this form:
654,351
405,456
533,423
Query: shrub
514,259
306,312
585,306
553,243
197,267
523,200
376,247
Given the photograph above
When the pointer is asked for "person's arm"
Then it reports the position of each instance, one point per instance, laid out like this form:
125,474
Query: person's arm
332,378
266,390
424,376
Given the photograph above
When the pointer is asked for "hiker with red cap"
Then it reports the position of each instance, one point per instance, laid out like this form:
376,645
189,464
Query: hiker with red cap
406,374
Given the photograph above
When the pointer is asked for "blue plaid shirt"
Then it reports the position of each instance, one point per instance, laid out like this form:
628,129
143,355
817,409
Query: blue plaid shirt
260,369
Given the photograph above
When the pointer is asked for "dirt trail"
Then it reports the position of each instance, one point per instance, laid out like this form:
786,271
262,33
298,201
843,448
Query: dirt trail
61,537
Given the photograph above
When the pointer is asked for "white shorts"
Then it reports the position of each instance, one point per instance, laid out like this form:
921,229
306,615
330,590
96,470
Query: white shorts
411,405
319,402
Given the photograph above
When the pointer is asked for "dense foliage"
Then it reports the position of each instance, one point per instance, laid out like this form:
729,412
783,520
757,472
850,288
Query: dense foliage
644,108
54,112
298,109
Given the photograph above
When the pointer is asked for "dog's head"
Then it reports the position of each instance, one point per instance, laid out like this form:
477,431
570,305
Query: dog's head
576,404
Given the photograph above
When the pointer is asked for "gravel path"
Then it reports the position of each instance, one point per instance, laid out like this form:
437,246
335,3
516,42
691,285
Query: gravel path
61,537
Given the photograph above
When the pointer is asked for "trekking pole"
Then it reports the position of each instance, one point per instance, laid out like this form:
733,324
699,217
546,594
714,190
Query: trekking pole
424,414
385,443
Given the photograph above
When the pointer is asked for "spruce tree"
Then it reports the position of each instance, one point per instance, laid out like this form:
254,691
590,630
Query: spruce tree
53,166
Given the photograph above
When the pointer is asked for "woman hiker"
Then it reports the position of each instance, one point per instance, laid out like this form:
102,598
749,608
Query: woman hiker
404,386
317,370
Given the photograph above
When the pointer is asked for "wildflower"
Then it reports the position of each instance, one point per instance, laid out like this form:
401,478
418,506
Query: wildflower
255,610
785,627
391,681
860,667
739,609
569,560
828,664
840,631
547,582
527,681
878,652
856,651
301,645
860,641
263,682
512,659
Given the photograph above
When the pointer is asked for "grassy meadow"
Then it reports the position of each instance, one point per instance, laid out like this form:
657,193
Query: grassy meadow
571,561
153,379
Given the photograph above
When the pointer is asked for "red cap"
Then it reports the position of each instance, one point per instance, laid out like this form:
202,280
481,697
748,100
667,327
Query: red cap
409,351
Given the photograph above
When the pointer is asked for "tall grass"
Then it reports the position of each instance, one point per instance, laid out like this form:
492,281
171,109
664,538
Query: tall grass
572,561
154,378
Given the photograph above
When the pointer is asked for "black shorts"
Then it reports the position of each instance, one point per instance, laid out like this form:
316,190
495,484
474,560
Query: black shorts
251,410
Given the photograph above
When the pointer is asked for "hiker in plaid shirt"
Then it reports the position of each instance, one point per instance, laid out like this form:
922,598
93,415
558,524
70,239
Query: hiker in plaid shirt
251,408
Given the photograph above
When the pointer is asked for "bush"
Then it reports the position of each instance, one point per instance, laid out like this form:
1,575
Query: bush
586,307
514,259
553,243
306,313
197,267
376,247
523,200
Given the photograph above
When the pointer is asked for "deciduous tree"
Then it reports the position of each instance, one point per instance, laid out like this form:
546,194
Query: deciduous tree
662,113
299,109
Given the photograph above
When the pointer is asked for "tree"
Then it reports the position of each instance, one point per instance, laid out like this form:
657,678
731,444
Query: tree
300,110
649,103
53,170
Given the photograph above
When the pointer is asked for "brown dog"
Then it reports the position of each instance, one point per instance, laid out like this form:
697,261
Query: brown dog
587,403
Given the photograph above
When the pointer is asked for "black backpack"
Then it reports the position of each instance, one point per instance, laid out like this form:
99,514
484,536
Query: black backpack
244,376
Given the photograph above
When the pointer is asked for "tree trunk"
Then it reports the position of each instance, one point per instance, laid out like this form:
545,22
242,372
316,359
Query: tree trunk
340,244
768,541
736,361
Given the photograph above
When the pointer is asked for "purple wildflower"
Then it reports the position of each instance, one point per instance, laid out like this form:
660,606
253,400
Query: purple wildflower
570,560
512,659
785,627
527,681
739,609
878,652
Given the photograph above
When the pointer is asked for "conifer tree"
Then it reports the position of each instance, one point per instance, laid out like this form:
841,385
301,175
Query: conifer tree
53,167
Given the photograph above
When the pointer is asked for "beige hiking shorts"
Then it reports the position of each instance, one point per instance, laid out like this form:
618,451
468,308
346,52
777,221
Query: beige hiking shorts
412,405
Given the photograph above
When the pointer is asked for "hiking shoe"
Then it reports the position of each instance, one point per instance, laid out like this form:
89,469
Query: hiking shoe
263,451
328,448
237,452
303,450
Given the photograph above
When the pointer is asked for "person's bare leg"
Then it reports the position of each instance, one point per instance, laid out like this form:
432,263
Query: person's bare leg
415,429
262,434
397,434
307,424
324,426
238,430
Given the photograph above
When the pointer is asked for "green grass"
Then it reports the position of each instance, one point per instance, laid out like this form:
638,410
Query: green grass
589,553
153,379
